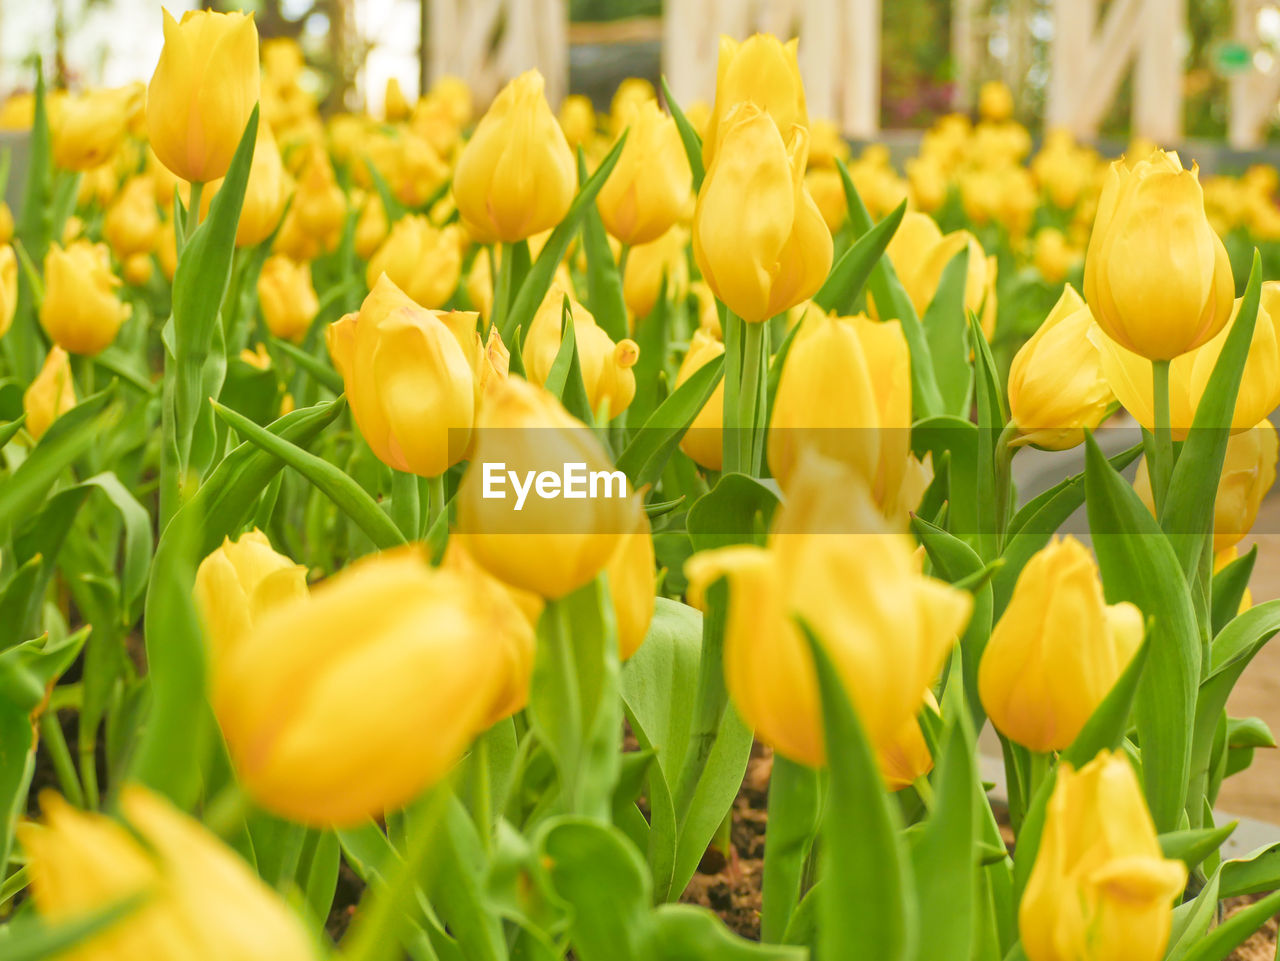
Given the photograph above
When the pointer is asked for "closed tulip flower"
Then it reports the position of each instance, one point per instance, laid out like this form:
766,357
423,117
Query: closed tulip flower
1260,382
995,102
827,189
920,252
409,379
577,119
649,265
1156,275
651,181
833,561
825,402
50,395
322,703
200,901
1056,386
313,224
288,299
1057,651
423,261
371,227
516,176
767,256
394,105
764,71
552,545
203,92
1100,887
704,440
266,193
907,758
606,366
1053,256
238,583
132,223
8,287
80,311
90,127
631,573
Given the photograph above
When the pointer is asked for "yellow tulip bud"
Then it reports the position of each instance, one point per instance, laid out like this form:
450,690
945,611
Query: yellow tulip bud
455,94
1057,650
833,561
1260,382
516,176
1056,386
827,189
1100,887
371,227
8,287
632,92
167,250
1053,256
826,145
767,256
825,402
321,704
282,60
764,71
550,545
132,223
50,395
237,584
196,893
80,311
606,366
1248,472
137,269
648,265
265,194
631,574
920,255
995,102
409,379
418,171
288,300
651,181
319,205
422,261
90,127
704,440
577,119
395,107
907,758
1156,275
928,182
203,92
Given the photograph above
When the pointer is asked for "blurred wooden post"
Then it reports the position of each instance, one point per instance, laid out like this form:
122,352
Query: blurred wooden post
839,51
963,15
1254,91
1088,63
534,34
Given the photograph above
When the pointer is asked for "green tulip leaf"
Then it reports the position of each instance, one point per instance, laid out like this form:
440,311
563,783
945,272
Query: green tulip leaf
1193,845
683,932
645,457
688,137
795,808
604,278
322,373
1229,586
946,328
844,285
32,939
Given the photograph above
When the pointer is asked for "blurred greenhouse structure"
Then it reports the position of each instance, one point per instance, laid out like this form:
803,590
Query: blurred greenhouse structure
1168,70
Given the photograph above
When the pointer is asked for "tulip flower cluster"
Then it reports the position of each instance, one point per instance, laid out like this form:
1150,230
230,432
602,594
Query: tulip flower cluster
412,524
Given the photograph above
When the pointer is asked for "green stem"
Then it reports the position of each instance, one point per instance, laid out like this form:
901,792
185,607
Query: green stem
375,936
712,698
554,632
55,745
732,389
502,293
480,790
225,813
794,808
182,230
13,884
623,254
436,500
1004,481
1161,467
406,510
750,419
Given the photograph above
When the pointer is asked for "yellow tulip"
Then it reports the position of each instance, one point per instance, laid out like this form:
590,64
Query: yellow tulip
410,378
80,311
419,170
833,561
631,93
928,182
826,145
631,573
421,260
237,584
203,92
827,189
1156,275
766,256
395,107
371,227
89,128
1100,887
516,176
8,287
51,394
826,402
1248,472
606,366
704,440
1053,256
1056,386
167,250
265,194
1057,650
577,119
762,70
313,224
288,299
322,704
132,223
550,545
1260,382
651,181
199,900
920,253
648,265
995,102
907,757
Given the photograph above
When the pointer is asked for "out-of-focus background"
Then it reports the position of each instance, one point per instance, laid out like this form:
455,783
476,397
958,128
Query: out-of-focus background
1169,70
